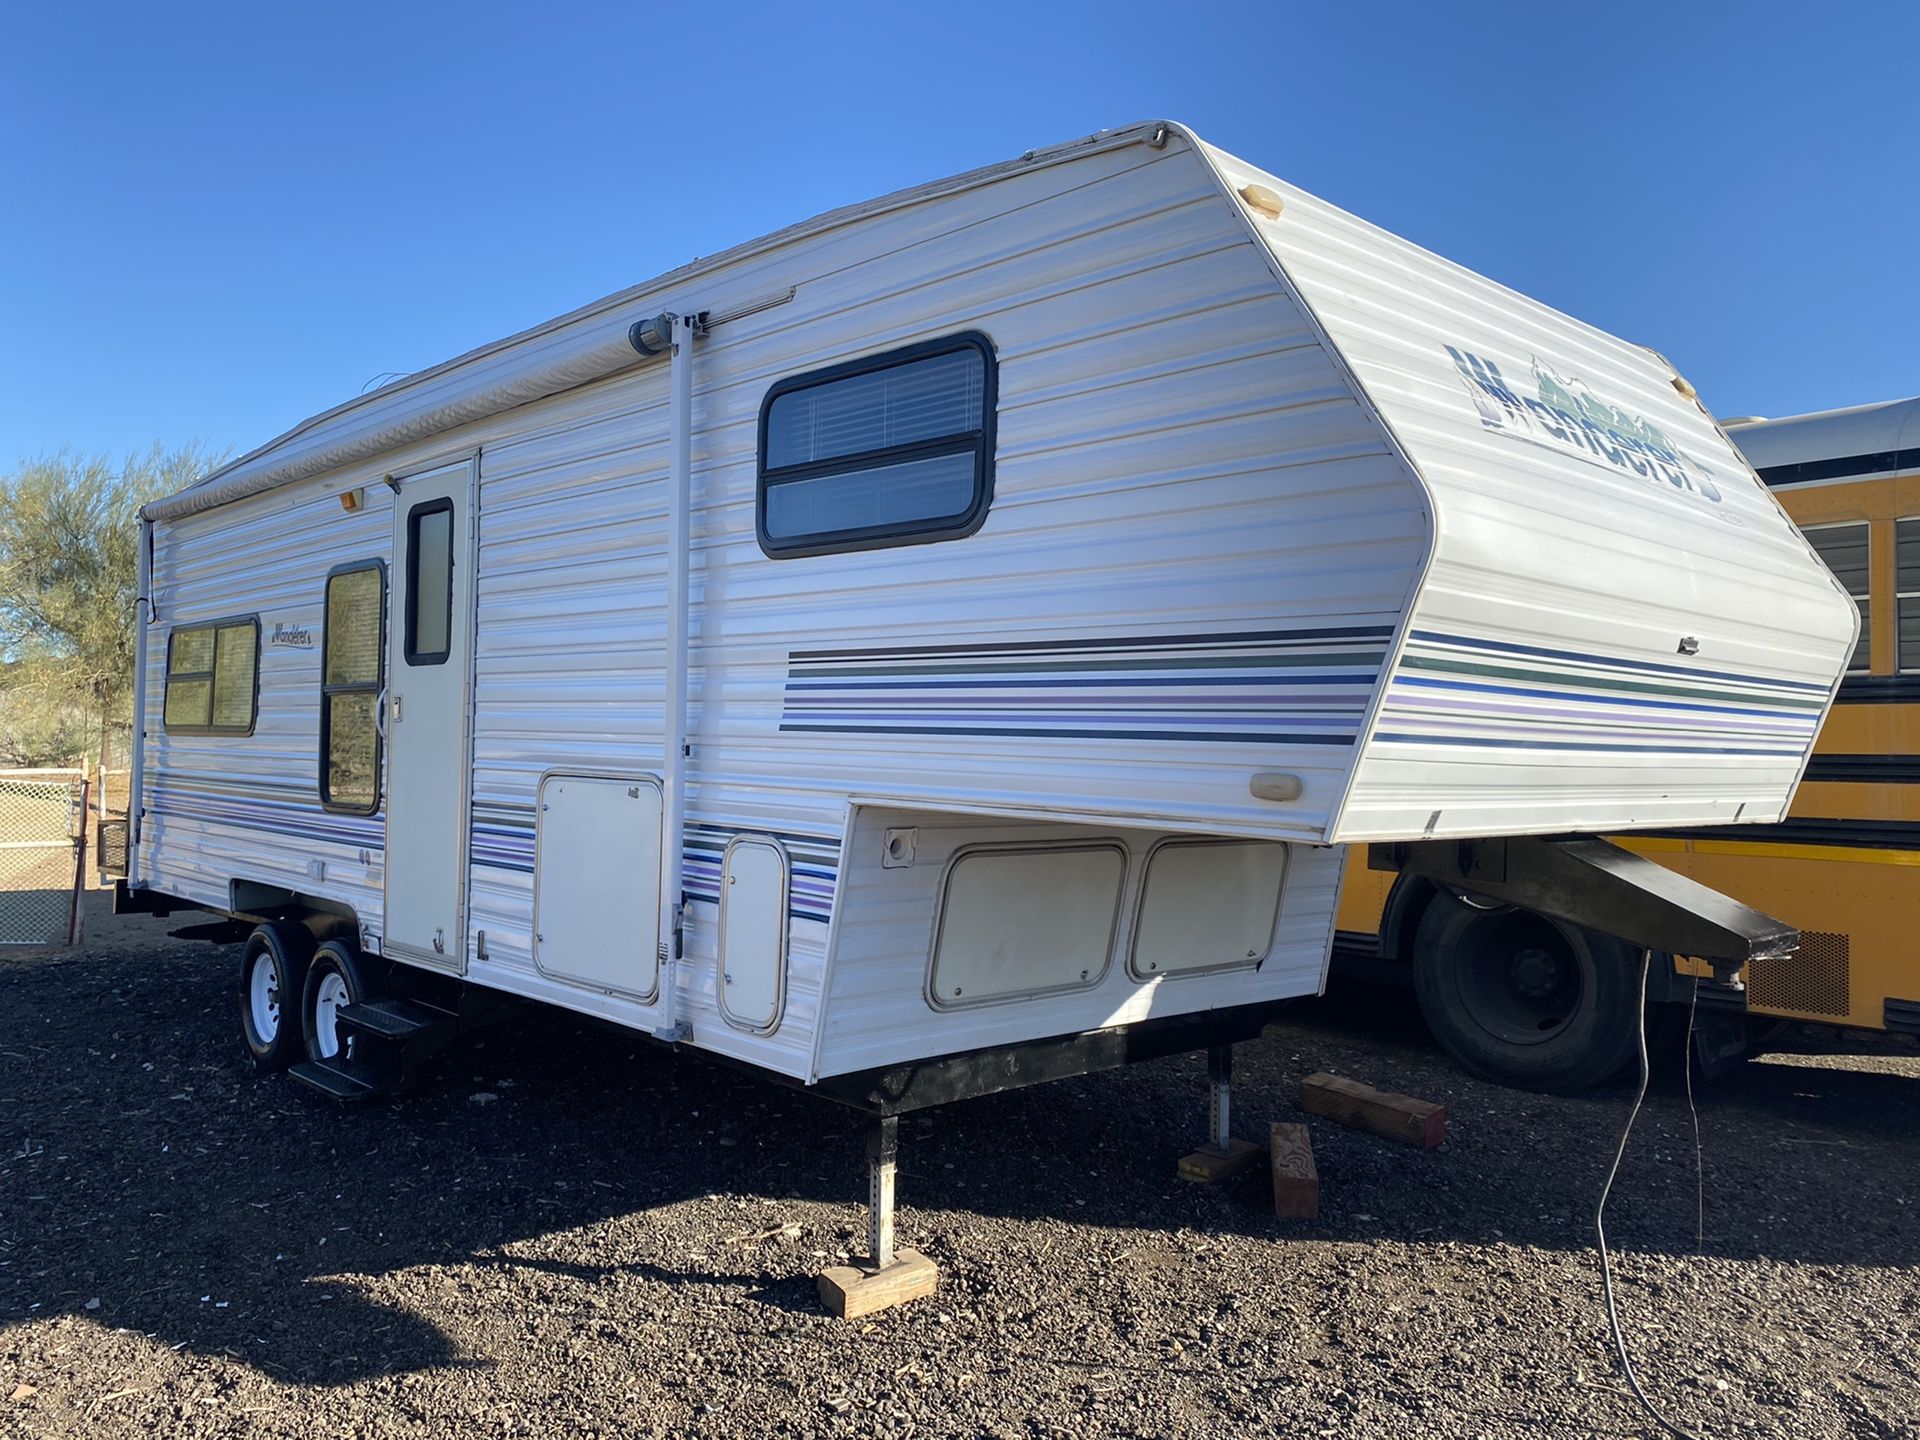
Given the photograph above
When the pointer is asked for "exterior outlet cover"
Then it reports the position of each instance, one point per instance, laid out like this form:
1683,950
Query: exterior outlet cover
896,852
316,870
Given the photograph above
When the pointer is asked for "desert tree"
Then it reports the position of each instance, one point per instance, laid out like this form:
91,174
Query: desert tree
68,567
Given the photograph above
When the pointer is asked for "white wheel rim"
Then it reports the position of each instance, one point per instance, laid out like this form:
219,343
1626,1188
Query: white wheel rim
263,998
327,1001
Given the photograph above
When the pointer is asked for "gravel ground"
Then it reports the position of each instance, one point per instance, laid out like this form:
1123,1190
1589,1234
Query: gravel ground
560,1231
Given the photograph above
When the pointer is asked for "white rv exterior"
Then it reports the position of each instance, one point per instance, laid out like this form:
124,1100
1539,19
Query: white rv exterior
1287,534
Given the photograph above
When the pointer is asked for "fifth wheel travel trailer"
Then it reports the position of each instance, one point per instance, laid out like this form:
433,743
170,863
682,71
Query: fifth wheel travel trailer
949,643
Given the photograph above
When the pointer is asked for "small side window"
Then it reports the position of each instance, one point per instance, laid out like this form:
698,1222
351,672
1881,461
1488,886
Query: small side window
430,582
896,449
1846,550
213,678
351,655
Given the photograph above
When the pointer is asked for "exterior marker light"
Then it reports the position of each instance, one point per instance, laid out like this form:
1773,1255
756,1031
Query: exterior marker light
1263,202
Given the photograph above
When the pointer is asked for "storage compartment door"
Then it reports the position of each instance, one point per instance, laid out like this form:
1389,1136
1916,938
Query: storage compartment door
1024,921
753,934
596,883
1208,905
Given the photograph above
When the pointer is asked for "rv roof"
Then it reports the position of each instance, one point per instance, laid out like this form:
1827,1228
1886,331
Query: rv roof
1859,440
567,351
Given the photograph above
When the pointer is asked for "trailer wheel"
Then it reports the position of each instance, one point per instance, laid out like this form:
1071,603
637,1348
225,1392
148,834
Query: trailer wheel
273,975
1522,999
336,978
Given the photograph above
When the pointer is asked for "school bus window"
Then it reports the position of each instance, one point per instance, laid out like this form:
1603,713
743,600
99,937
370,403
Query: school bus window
1906,586
1846,548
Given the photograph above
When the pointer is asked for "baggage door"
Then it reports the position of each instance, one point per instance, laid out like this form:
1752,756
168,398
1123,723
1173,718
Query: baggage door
429,697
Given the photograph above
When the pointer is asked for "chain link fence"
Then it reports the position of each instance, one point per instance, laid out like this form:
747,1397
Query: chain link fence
43,830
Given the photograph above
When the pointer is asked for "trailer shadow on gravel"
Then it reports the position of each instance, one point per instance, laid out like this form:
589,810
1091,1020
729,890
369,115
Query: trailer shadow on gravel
147,1183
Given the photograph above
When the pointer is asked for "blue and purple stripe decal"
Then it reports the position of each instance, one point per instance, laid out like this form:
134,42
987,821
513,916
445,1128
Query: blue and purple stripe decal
1458,690
288,810
504,833
1305,686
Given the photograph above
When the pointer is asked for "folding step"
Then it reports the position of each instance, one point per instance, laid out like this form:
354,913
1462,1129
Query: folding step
334,1082
1720,995
392,1018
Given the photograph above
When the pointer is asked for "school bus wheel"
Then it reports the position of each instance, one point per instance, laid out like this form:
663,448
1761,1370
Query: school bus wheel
1522,999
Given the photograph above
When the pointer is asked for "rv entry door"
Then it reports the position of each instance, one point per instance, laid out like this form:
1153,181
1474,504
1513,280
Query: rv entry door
429,680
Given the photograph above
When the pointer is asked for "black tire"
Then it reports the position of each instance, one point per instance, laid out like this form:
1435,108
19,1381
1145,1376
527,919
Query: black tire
1524,1000
273,975
337,976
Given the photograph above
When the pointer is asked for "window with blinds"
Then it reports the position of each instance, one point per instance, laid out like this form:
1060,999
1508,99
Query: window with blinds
213,678
1846,550
351,652
892,450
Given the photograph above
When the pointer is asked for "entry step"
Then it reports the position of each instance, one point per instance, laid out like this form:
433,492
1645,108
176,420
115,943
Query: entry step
333,1081
392,1018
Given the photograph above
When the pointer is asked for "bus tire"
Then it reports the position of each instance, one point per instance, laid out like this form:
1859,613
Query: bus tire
273,977
1524,1000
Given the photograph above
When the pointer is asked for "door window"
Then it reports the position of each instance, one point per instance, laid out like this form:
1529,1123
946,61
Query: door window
430,582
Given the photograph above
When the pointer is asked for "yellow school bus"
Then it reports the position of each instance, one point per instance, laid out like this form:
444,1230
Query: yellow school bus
1531,1001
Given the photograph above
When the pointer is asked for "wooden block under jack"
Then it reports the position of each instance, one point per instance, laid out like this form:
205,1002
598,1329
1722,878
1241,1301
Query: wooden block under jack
851,1291
1296,1181
1398,1117
1208,1166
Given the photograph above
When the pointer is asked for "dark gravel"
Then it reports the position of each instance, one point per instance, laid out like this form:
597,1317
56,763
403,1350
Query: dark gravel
564,1232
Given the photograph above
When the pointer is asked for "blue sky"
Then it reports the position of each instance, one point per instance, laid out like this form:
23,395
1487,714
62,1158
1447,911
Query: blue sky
222,219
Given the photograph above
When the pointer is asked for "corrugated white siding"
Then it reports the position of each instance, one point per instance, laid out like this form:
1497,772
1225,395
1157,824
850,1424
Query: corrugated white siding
1176,456
1588,516
225,807
1179,465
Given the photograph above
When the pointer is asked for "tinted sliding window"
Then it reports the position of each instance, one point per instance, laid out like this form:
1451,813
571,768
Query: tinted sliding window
1846,549
430,582
213,678
350,660
896,449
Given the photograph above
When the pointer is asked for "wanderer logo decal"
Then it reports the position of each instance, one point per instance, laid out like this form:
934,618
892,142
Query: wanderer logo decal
1565,412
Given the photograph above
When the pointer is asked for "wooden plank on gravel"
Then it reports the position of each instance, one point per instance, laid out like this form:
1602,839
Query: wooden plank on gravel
1208,1166
1296,1180
851,1291
1397,1117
